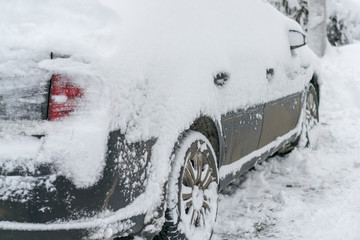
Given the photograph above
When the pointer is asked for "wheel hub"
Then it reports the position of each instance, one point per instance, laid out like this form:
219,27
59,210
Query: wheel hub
198,198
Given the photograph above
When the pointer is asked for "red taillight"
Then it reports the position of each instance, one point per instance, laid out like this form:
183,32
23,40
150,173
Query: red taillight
63,95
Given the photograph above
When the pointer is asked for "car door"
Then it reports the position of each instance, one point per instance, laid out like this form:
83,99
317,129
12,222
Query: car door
280,117
242,130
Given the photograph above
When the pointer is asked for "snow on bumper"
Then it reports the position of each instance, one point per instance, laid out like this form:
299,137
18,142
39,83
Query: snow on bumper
45,200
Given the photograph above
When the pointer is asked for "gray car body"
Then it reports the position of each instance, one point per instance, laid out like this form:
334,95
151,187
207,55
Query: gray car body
245,131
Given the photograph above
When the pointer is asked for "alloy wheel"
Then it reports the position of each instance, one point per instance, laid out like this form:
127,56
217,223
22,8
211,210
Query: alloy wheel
198,196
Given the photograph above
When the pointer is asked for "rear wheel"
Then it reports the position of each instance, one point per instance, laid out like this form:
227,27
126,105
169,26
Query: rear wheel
193,191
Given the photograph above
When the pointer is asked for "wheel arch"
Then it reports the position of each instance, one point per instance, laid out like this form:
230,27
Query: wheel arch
315,81
210,128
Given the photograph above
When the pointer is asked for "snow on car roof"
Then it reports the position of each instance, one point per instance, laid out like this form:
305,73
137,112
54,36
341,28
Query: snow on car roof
160,57
154,61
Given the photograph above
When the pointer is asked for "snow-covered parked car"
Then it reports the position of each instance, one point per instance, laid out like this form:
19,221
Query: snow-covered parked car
126,118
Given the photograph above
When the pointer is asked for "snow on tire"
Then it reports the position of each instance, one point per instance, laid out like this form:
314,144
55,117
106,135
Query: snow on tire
309,135
193,190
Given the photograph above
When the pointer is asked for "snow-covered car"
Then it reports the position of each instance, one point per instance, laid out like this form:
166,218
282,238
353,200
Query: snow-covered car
126,118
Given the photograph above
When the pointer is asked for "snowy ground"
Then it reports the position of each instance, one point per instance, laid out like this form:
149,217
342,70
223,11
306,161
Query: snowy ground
310,193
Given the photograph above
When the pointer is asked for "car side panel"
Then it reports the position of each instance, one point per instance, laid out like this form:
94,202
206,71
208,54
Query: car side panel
242,130
280,117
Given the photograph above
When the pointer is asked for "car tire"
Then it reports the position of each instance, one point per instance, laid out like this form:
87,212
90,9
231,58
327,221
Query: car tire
192,190
308,136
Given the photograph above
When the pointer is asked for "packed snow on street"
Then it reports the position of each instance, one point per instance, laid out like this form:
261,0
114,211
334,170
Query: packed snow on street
310,193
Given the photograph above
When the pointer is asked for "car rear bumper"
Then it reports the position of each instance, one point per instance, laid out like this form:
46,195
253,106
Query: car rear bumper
45,204
47,217
71,230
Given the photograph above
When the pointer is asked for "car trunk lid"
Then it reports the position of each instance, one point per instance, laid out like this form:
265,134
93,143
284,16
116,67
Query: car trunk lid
24,97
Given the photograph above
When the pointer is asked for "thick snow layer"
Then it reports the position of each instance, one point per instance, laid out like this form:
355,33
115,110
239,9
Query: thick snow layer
147,68
29,32
177,48
310,193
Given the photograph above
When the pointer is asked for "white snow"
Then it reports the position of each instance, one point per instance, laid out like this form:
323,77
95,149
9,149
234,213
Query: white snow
146,68
310,193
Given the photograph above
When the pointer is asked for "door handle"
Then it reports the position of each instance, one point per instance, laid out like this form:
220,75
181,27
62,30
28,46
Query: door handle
221,78
270,72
